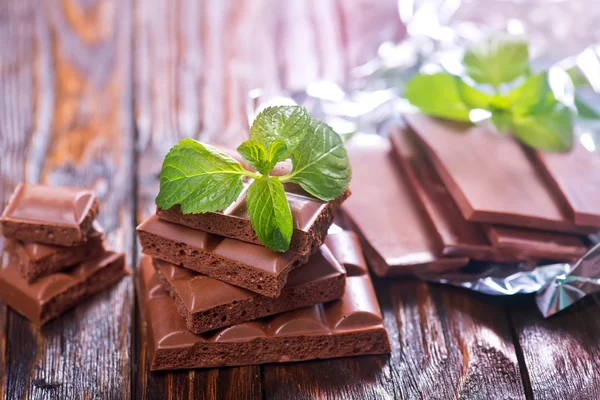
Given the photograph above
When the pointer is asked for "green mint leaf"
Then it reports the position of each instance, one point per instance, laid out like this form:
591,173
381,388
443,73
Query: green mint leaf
534,95
438,95
502,120
199,177
287,124
320,164
270,213
472,97
499,60
550,130
257,155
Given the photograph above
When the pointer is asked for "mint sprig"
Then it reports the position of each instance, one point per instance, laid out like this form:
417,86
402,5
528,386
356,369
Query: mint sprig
202,179
530,111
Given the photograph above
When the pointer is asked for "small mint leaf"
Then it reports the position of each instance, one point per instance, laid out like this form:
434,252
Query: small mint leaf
550,130
472,97
320,164
502,120
535,94
499,60
287,124
256,155
438,95
199,177
270,213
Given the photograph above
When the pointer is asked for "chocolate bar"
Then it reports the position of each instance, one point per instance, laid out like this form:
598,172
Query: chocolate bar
460,237
36,260
59,216
350,326
394,230
208,304
243,264
311,216
54,294
576,177
490,176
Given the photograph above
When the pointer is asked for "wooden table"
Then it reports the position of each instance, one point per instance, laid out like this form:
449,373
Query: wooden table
93,93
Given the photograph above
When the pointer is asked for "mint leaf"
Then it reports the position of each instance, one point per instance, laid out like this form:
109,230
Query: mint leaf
199,177
472,97
270,213
287,124
438,95
257,155
534,95
499,60
320,164
502,120
550,130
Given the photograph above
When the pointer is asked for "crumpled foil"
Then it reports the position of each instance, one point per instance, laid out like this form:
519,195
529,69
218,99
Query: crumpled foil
562,36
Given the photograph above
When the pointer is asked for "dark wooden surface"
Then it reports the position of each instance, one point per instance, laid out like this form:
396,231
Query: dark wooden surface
94,92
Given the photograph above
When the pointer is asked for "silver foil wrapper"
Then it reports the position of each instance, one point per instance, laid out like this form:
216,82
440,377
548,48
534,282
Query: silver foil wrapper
562,36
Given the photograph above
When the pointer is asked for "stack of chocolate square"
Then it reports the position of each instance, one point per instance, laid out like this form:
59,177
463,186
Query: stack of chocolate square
212,295
54,256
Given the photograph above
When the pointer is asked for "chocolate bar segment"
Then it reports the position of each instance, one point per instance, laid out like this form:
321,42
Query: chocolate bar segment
576,177
395,232
36,260
311,216
208,304
239,263
350,326
59,216
490,176
54,294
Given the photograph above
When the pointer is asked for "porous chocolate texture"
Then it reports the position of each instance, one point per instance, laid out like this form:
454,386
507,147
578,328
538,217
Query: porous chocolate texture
239,263
208,304
350,326
60,216
36,260
54,294
311,217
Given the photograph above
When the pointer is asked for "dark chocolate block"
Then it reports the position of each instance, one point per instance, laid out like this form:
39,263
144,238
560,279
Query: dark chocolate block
350,326
59,216
243,264
312,218
36,260
490,176
54,294
208,304
395,232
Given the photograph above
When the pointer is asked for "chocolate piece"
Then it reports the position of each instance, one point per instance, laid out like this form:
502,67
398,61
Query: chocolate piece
207,303
36,260
350,326
395,232
490,176
312,218
576,177
54,294
239,263
60,216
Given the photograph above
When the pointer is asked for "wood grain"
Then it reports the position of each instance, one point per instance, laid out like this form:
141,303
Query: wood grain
66,91
561,352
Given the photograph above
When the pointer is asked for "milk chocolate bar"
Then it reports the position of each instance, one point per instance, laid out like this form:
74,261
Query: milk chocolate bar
207,303
350,326
395,232
311,217
59,216
490,176
54,294
36,260
239,263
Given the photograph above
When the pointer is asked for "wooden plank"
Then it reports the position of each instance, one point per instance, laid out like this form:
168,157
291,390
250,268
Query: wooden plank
561,353
66,93
446,343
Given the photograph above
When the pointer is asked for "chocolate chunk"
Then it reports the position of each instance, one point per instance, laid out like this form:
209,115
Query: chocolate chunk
36,260
350,326
396,234
243,264
576,177
207,303
54,294
59,216
490,176
311,216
